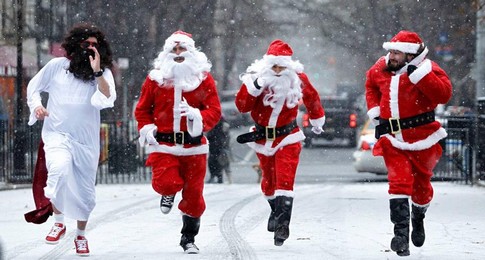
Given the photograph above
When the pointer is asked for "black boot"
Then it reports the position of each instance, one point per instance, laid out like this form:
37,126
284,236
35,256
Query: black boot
219,178
417,217
400,219
283,207
190,229
271,219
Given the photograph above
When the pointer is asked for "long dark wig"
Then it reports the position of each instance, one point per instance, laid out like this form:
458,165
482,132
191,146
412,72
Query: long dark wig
80,65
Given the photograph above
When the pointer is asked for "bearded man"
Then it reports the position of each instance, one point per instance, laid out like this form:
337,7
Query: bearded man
178,102
79,86
271,90
402,90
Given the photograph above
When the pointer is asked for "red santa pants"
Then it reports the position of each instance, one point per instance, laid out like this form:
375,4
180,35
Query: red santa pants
172,174
279,170
409,172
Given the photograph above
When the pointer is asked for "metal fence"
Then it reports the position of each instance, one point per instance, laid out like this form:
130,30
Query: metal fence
459,150
122,160
18,151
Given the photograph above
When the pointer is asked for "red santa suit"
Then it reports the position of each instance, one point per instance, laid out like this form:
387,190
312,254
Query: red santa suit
178,166
279,157
411,154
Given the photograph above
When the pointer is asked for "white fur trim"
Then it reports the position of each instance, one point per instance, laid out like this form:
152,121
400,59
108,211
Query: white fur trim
248,80
405,47
374,112
178,150
394,96
423,70
278,60
272,197
270,151
399,196
419,145
284,61
182,39
419,205
286,193
319,122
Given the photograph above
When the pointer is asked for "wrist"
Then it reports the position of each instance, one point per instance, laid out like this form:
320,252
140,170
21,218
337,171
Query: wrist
98,73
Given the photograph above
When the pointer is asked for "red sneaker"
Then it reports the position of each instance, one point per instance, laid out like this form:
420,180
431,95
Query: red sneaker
56,233
81,244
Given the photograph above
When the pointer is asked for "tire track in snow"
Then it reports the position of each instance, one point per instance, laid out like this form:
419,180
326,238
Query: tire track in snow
238,247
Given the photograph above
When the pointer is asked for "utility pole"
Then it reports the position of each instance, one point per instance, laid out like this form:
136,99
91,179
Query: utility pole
20,170
480,50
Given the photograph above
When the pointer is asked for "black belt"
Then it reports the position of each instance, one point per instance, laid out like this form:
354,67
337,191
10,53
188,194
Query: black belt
178,138
266,132
395,125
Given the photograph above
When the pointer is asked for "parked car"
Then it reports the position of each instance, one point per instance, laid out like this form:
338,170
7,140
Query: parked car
364,161
342,120
233,116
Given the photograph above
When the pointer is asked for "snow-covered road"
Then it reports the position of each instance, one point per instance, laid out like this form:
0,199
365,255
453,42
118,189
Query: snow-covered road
329,221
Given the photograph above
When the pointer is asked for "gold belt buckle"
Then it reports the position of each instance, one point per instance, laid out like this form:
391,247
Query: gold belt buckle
395,131
270,133
178,136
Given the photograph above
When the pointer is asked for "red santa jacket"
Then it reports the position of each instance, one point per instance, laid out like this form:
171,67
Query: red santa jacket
399,95
156,106
247,102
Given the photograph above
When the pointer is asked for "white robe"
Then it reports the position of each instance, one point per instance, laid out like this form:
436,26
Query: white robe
70,134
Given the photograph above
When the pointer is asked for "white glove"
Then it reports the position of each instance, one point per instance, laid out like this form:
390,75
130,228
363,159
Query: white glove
375,121
147,134
187,110
260,82
317,130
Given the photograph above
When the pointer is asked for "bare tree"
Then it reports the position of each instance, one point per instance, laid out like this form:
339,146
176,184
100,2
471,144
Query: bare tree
447,28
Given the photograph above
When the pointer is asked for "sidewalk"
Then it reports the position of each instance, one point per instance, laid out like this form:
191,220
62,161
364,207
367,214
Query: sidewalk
329,221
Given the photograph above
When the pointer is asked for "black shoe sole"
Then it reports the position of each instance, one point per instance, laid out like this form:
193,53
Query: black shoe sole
403,253
279,242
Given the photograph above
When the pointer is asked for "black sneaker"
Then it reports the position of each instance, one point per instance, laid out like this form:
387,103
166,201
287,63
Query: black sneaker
190,248
166,203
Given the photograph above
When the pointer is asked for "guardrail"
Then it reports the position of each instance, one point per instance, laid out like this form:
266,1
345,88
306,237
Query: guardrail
122,160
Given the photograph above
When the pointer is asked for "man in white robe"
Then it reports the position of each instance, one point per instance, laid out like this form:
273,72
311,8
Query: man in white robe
79,86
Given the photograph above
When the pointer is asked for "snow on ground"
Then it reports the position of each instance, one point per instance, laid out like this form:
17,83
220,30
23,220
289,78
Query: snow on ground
329,221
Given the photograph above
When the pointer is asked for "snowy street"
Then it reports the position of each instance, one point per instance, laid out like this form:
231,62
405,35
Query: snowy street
329,221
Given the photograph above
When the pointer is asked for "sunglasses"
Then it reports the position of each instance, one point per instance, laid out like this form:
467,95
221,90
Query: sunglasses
86,44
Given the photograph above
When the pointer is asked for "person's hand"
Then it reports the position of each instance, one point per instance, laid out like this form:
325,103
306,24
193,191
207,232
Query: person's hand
375,121
411,69
259,83
187,110
96,60
147,134
41,112
317,130
151,137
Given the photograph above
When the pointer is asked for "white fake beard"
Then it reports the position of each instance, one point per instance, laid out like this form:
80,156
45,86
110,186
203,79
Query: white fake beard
286,87
185,75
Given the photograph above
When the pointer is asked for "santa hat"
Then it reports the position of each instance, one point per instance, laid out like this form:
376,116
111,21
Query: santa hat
179,37
279,48
279,53
404,41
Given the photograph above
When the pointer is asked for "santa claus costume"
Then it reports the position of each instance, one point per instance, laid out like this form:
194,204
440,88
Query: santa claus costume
401,102
272,98
178,102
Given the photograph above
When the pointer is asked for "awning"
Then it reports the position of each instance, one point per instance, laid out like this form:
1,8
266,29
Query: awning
8,61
